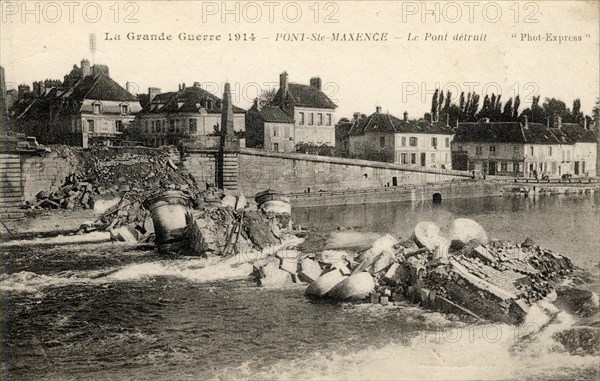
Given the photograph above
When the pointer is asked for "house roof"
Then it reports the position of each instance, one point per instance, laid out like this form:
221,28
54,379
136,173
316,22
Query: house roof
304,96
537,133
275,114
514,132
342,129
579,134
102,88
386,123
187,100
495,132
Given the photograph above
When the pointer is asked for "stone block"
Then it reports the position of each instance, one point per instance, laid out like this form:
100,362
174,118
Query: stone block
309,270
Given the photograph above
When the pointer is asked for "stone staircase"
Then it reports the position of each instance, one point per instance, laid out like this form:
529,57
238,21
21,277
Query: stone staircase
11,191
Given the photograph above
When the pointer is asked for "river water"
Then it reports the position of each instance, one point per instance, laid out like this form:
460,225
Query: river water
107,312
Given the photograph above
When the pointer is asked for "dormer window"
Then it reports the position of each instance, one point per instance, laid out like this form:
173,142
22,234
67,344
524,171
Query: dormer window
97,108
124,109
209,104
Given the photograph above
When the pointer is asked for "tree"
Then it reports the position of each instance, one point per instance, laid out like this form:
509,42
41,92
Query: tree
576,114
516,107
267,96
434,103
507,114
448,100
596,113
473,107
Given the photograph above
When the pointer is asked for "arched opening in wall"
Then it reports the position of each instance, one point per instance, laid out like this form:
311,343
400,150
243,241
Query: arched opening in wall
437,198
394,181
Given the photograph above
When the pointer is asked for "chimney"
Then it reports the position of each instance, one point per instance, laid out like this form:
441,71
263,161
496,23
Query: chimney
585,125
197,84
100,69
257,104
316,83
129,86
152,92
447,120
406,116
283,86
39,89
86,69
378,109
356,116
526,121
23,90
559,121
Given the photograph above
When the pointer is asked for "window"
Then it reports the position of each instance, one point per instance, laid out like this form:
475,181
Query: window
531,150
434,142
301,118
382,141
274,131
329,119
504,167
404,158
146,126
90,125
320,119
124,109
478,150
276,147
119,126
549,151
404,141
172,125
97,108
459,148
447,142
433,158
413,158
192,125
413,142
311,119
492,150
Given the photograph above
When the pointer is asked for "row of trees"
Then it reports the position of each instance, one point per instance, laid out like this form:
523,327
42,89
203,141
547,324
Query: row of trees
467,109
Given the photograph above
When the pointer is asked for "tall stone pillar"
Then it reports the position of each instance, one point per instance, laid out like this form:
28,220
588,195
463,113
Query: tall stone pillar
228,172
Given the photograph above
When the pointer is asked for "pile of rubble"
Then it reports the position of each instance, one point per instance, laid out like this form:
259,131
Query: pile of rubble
121,180
73,193
232,225
465,274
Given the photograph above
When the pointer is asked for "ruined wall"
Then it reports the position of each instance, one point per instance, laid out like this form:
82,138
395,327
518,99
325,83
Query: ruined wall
260,170
203,166
47,172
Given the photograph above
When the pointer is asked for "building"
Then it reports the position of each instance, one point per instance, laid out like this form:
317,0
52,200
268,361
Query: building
270,128
189,113
384,137
524,150
342,133
585,149
312,113
86,108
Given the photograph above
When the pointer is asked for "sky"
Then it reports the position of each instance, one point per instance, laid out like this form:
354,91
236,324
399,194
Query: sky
40,40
